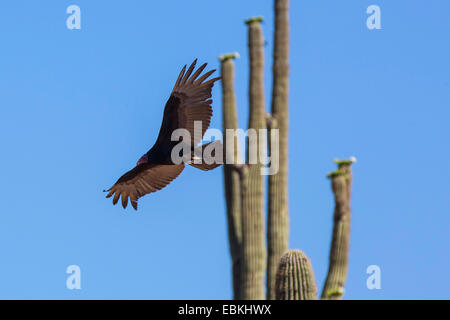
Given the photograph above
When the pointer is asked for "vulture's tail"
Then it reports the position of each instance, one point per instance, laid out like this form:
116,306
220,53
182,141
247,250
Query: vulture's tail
209,156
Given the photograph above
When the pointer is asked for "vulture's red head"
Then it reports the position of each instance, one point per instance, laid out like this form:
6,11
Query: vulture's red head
143,159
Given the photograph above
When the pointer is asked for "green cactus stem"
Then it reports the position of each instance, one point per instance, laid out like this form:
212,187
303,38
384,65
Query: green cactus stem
278,215
253,246
341,181
295,277
231,176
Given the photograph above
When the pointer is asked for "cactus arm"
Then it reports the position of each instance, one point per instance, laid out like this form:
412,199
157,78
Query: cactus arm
295,277
341,181
278,215
253,246
231,175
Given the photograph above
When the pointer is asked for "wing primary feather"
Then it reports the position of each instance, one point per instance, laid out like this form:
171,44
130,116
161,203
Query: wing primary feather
203,77
188,73
207,83
116,197
124,200
180,76
197,73
110,194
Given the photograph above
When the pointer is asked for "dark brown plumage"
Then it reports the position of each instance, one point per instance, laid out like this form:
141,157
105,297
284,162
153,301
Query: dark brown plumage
189,101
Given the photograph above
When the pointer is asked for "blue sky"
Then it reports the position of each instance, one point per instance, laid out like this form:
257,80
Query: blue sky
79,107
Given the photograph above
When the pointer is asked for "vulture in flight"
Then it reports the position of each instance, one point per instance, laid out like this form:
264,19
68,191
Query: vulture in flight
189,101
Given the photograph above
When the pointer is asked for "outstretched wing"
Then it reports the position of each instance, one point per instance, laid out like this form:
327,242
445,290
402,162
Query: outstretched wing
141,180
189,102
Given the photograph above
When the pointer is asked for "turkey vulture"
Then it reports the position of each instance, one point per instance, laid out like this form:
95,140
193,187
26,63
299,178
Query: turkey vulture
189,101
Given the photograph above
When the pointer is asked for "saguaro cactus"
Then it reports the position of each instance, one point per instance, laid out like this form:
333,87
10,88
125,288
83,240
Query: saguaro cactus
278,215
295,277
244,187
289,276
253,246
341,181
231,175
